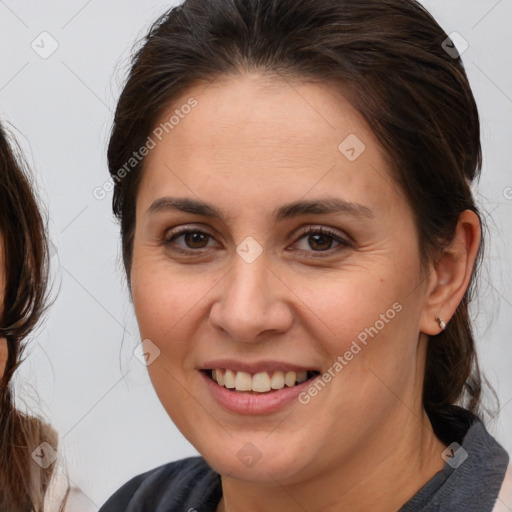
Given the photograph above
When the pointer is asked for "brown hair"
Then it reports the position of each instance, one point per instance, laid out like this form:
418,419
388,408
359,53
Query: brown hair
388,58
23,483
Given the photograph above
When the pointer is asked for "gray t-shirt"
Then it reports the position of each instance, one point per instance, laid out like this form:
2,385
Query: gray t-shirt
466,483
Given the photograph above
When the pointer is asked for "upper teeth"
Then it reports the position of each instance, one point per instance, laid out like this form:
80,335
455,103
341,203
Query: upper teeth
260,382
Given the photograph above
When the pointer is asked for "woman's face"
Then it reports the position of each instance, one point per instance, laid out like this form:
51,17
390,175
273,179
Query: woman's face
251,291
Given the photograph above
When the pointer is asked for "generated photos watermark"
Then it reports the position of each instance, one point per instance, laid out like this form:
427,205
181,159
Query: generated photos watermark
343,360
151,143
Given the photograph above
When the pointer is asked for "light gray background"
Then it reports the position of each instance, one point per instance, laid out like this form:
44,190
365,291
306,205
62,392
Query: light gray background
80,372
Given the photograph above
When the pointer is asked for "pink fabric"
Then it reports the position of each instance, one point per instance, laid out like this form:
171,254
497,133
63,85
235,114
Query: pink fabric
504,501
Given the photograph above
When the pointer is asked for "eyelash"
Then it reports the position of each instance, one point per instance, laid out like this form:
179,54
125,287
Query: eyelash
171,236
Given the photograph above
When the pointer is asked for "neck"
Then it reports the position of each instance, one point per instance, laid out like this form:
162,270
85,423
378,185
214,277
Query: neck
384,475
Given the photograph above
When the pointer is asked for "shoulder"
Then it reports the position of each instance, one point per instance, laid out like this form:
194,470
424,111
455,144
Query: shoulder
181,485
57,490
475,469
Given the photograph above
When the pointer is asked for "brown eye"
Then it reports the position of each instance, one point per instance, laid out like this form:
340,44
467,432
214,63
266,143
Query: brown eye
320,242
191,240
195,240
317,240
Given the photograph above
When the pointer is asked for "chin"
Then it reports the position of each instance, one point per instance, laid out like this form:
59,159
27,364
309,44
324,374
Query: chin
256,461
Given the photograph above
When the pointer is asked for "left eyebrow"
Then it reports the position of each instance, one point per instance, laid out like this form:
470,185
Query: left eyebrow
319,206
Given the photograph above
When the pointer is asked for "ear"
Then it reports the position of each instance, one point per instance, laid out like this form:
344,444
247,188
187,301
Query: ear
451,274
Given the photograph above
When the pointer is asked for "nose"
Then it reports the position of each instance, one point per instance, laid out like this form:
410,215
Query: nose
253,303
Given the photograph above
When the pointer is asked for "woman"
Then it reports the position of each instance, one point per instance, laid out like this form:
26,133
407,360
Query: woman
292,179
28,446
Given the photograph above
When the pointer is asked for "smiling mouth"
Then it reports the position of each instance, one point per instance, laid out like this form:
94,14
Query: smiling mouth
261,382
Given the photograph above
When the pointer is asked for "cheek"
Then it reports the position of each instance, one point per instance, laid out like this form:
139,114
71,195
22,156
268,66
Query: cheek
369,330
163,305
167,303
360,305
159,303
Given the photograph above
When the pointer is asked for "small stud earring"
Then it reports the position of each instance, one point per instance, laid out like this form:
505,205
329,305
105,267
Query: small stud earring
442,325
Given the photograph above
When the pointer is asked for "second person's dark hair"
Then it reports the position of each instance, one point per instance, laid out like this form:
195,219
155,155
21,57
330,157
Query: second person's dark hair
23,482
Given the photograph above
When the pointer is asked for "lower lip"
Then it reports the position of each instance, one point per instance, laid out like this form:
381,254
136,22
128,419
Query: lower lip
252,403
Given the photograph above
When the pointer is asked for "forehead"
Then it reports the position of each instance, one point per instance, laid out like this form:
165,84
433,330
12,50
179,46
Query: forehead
248,109
250,134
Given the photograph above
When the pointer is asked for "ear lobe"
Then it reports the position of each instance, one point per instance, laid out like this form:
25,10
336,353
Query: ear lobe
452,273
